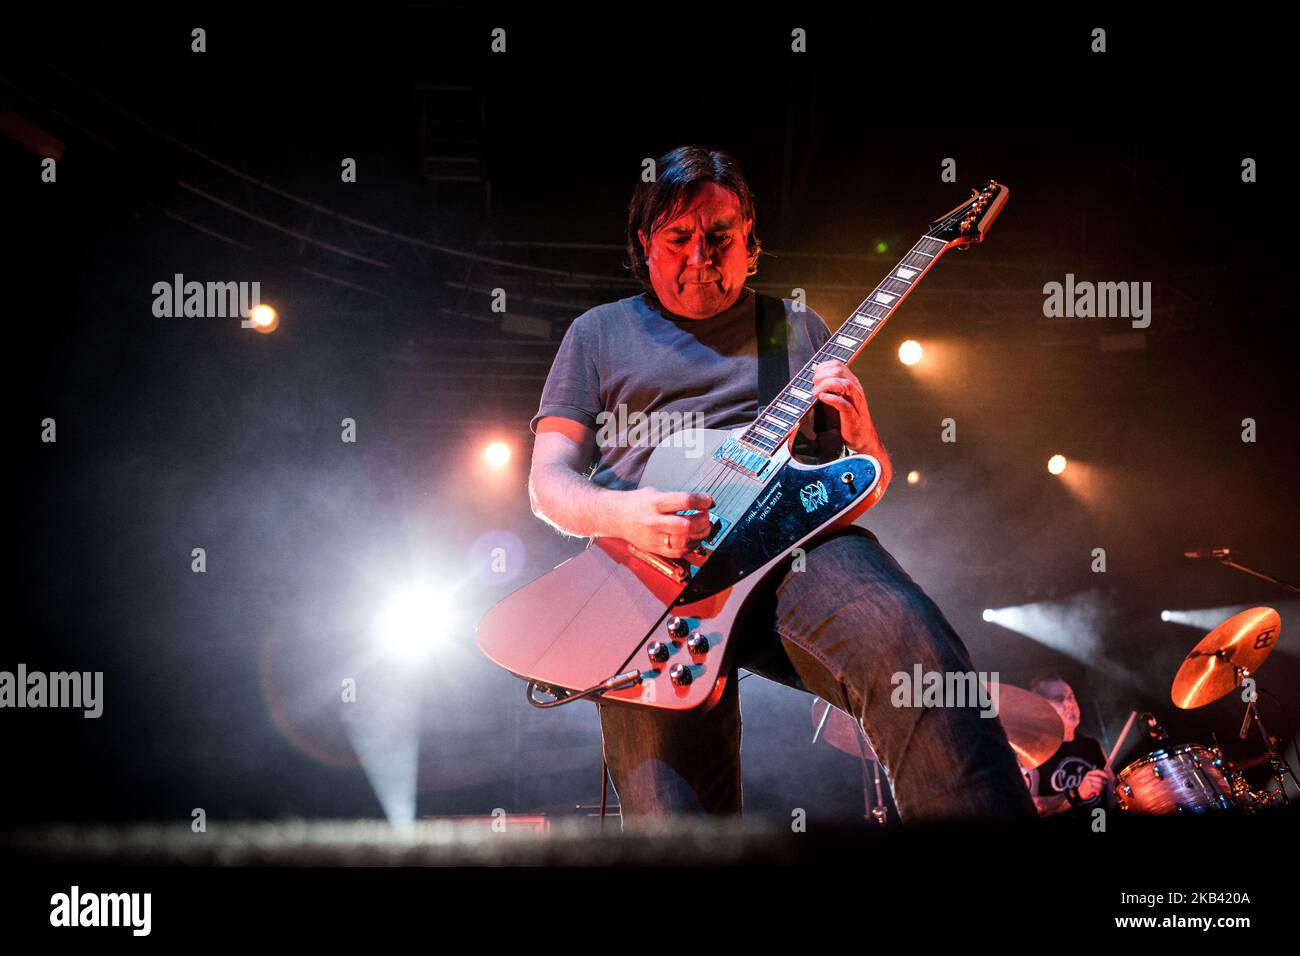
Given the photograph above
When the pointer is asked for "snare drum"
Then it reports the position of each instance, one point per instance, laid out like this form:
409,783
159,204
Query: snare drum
1187,778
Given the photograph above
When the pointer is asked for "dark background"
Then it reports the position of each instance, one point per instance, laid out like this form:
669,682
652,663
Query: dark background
221,689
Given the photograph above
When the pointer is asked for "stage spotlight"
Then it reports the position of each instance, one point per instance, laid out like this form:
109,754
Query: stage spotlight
497,454
412,623
909,353
913,477
1206,619
263,318
1072,625
1056,464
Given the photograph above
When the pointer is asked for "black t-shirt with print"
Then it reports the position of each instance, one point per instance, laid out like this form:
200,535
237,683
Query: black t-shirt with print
1066,768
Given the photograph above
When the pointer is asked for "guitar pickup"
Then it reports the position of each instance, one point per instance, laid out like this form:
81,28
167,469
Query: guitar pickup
743,459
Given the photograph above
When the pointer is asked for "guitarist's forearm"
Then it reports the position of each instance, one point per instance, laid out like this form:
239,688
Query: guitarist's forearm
872,445
571,503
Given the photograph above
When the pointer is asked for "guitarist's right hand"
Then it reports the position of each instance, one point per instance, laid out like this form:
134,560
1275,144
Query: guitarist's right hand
647,515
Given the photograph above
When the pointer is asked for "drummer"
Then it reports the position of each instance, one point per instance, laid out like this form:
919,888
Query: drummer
1073,780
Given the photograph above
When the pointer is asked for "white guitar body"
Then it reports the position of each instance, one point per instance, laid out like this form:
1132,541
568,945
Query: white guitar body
595,615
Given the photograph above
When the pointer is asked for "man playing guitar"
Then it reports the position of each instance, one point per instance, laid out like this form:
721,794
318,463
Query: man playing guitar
840,625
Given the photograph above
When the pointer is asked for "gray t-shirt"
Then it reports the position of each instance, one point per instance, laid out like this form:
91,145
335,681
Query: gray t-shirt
622,361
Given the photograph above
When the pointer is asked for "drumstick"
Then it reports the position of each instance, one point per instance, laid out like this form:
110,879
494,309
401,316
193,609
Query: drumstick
1118,743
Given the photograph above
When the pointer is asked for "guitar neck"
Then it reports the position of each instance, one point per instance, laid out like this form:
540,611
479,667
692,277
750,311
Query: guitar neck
774,425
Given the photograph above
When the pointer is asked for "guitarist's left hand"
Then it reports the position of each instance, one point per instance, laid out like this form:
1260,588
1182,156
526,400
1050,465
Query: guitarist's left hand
836,385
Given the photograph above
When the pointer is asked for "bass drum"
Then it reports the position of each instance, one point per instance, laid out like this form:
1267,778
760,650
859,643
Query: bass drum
1187,778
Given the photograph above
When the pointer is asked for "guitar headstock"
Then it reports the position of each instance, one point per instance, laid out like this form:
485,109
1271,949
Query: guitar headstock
966,224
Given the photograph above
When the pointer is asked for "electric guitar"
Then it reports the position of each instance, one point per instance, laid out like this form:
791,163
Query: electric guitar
625,625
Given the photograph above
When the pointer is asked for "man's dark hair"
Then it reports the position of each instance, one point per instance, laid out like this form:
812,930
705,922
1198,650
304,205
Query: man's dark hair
1036,685
678,176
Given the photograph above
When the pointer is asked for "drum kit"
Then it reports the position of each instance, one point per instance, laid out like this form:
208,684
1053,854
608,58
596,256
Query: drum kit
1193,778
1173,778
1178,778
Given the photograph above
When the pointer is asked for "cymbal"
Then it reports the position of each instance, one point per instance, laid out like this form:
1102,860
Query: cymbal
1032,724
840,730
1243,640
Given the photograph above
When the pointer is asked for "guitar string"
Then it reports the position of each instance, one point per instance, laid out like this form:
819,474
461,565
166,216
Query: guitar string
723,480
729,486
726,487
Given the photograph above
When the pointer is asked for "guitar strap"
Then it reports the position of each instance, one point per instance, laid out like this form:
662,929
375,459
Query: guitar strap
774,362
773,348
774,375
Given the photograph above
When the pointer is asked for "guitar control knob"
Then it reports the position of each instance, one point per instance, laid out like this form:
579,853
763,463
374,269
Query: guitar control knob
658,652
678,628
698,644
680,675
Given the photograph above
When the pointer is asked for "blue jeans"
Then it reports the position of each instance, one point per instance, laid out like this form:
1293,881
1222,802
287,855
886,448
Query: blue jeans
839,629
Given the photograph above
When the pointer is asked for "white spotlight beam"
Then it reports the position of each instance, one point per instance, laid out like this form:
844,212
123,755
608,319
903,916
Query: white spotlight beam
383,727
1072,626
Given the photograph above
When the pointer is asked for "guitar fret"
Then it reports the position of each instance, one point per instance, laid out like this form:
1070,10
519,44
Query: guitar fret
772,425
776,421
